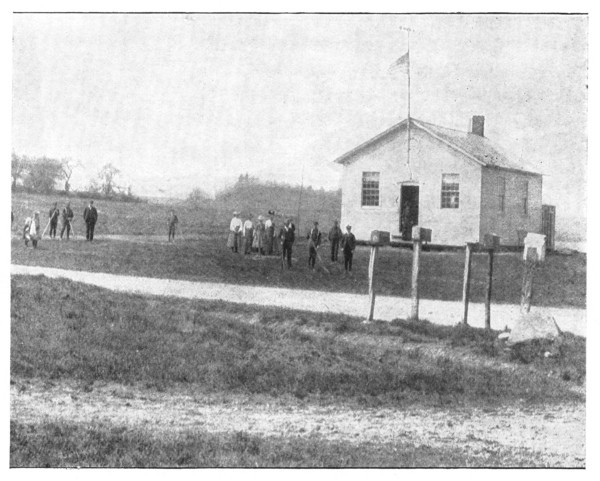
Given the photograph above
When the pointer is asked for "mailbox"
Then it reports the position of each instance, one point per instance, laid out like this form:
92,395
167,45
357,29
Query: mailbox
491,241
535,244
379,237
421,234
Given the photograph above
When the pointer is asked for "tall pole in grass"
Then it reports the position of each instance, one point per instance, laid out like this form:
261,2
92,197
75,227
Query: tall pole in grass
300,197
467,281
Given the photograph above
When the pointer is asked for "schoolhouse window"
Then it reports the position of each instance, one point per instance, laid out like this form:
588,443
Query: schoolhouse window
450,191
501,193
525,198
370,189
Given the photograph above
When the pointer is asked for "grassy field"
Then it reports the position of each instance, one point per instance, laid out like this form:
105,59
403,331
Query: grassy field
561,281
61,330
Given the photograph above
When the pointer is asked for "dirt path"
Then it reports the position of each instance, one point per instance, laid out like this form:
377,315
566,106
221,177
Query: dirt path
556,434
386,307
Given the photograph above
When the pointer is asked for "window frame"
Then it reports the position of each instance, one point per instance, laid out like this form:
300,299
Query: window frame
525,199
370,195
446,192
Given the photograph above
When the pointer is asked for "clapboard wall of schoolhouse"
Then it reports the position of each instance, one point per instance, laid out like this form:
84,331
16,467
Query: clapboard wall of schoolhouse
430,159
511,202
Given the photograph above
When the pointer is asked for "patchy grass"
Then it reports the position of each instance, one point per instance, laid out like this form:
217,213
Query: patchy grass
61,329
561,281
59,444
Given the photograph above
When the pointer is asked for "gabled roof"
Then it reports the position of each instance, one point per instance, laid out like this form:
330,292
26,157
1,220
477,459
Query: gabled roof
476,148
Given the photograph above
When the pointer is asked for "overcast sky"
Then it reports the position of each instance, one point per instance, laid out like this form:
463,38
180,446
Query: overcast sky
183,101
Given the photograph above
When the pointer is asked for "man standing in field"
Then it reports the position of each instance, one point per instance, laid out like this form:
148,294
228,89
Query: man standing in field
172,222
90,215
287,236
348,245
53,215
314,240
335,236
32,230
67,218
235,232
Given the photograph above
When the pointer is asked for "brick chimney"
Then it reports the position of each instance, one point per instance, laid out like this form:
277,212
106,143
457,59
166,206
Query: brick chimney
477,125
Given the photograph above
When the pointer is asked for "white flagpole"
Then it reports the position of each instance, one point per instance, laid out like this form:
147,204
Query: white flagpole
408,30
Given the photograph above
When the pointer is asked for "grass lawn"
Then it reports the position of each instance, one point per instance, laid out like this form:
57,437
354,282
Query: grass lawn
561,281
61,329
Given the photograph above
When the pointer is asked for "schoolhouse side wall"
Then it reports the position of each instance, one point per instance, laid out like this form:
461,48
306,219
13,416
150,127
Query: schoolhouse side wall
508,219
450,226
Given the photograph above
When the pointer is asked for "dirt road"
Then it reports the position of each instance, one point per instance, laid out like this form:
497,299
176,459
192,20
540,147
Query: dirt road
386,307
555,434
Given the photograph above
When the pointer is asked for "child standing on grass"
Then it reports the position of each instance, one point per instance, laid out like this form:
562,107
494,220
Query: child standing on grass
31,230
348,245
172,221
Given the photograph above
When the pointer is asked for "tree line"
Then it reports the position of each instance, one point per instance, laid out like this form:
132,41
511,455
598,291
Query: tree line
46,175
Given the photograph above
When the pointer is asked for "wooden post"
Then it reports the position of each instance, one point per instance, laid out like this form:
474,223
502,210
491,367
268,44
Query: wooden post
527,287
372,258
414,293
488,292
467,281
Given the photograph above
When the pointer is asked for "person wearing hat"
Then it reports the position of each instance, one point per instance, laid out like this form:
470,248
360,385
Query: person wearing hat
287,236
348,245
335,236
53,215
90,216
270,233
235,232
258,241
314,240
67,218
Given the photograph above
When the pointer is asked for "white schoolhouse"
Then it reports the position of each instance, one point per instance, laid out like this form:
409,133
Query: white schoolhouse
457,183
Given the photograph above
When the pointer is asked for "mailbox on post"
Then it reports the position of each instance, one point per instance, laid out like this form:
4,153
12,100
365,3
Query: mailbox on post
421,234
379,238
491,241
535,247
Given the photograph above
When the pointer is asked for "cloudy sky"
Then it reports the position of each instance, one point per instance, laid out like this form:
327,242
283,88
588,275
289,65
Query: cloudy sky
183,101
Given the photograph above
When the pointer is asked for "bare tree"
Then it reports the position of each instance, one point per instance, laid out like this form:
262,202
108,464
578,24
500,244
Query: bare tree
67,166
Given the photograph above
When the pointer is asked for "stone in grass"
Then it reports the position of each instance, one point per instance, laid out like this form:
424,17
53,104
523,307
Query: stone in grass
533,326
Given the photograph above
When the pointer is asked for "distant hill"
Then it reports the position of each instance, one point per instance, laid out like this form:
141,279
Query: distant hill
252,196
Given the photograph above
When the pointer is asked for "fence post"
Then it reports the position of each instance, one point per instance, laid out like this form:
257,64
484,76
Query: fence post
419,235
467,281
488,292
372,258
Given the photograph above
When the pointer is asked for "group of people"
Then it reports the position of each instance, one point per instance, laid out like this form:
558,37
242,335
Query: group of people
33,232
259,236
262,237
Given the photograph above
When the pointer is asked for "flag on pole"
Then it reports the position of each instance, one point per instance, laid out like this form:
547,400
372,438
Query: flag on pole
401,64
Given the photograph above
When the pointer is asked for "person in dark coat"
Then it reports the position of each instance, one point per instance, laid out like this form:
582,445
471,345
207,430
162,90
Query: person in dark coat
348,245
90,216
172,223
314,240
53,215
287,236
335,236
67,218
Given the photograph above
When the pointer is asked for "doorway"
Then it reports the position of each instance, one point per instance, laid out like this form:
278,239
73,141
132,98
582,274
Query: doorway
409,210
